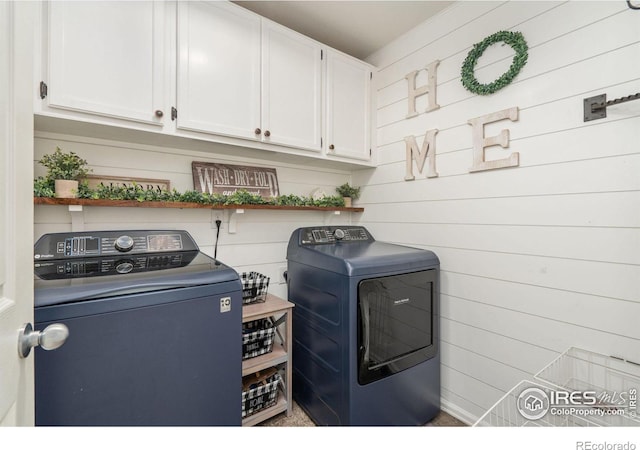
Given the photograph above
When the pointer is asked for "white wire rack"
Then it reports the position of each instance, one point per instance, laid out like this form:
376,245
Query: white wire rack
505,412
615,382
579,388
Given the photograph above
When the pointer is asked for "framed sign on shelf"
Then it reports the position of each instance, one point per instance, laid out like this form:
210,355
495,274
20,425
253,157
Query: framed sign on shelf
116,181
227,179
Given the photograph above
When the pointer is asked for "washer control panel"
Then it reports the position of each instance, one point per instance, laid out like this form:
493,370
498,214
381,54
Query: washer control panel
105,243
334,235
110,265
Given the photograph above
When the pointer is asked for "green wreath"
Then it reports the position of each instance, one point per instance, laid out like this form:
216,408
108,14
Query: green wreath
512,38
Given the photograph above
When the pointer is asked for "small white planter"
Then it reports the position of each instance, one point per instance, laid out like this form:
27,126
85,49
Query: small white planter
66,188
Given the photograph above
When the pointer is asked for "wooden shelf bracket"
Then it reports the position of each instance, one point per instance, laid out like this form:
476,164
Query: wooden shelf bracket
77,217
233,220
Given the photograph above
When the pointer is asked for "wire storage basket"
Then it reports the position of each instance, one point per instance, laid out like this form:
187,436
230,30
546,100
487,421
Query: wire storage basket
611,383
254,287
579,388
260,391
523,406
257,337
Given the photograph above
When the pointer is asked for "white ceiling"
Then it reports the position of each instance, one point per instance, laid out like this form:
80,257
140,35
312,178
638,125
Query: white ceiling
358,28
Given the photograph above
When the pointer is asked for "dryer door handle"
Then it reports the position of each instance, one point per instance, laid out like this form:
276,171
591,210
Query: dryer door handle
364,311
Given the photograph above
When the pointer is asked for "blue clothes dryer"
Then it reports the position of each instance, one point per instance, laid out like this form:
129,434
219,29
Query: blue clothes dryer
365,328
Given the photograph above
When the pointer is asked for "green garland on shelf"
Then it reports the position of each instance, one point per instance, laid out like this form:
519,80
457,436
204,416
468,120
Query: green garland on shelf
43,187
511,38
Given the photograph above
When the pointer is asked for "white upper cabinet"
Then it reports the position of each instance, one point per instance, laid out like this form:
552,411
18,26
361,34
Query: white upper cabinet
348,118
291,88
211,71
107,58
243,76
219,47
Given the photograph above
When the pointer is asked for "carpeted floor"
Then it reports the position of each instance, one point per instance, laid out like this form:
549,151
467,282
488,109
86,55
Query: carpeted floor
299,418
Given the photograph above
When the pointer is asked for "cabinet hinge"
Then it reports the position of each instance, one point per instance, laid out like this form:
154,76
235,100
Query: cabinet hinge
371,75
174,113
43,90
321,54
370,154
320,142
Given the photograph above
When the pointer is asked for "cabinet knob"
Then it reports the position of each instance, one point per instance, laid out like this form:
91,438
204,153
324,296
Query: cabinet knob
331,147
267,133
258,131
159,113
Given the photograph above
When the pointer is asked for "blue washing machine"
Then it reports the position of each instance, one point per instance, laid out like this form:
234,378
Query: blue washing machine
155,331
365,328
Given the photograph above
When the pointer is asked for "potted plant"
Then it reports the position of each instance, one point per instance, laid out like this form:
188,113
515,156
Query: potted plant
348,193
65,169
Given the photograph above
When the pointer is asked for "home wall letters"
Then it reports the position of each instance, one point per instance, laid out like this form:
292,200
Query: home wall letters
480,142
427,152
429,88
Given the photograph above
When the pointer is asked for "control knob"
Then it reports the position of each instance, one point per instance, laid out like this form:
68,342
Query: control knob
339,234
123,267
124,243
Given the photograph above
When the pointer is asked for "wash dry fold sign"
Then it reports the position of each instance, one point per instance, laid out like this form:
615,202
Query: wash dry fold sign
227,179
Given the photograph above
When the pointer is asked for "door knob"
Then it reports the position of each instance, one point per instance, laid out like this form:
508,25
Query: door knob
50,338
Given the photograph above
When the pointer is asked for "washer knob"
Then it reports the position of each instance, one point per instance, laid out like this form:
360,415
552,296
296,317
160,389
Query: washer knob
124,243
123,267
338,234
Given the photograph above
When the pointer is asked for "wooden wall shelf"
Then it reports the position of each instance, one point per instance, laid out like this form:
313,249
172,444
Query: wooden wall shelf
181,205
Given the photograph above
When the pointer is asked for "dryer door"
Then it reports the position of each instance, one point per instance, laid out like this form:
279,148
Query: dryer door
397,323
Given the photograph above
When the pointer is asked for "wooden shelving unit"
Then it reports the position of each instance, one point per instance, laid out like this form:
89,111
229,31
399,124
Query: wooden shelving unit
276,307
181,205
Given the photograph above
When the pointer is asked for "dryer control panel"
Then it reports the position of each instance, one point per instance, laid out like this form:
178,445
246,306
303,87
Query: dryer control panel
334,235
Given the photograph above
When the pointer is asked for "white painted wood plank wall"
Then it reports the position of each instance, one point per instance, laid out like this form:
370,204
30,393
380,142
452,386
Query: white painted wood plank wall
260,242
537,258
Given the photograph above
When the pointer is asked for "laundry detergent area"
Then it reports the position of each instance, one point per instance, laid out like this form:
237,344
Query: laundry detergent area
266,226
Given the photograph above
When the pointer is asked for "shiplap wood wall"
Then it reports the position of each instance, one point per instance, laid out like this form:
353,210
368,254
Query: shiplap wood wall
536,258
260,242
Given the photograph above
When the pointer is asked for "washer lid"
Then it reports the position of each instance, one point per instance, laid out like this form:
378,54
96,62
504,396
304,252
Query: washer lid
63,281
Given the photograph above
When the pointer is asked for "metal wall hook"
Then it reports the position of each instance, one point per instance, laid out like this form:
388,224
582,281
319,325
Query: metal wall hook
596,107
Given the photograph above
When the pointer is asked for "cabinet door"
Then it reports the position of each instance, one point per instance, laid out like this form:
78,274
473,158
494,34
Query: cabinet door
107,58
348,106
291,88
218,69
